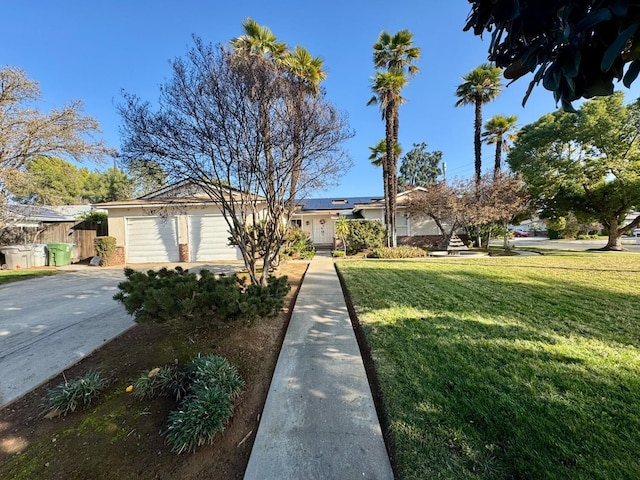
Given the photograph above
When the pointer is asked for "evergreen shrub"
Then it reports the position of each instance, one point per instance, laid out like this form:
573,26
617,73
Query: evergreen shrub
364,235
403,251
159,296
105,247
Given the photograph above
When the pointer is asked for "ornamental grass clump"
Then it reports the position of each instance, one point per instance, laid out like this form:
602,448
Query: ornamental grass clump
167,381
71,394
213,384
201,416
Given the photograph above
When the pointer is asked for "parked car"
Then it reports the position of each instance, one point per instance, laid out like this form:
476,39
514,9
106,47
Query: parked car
520,233
635,232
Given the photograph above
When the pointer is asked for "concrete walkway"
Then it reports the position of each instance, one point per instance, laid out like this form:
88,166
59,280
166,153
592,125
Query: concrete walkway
319,421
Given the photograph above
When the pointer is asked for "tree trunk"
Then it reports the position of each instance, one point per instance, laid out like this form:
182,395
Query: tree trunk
477,143
506,236
614,241
389,200
393,178
297,160
385,185
498,164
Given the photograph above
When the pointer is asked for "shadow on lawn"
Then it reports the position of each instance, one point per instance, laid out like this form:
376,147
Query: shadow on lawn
490,377
544,305
502,403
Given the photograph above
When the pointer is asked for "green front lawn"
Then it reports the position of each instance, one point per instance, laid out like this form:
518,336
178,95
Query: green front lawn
507,367
8,276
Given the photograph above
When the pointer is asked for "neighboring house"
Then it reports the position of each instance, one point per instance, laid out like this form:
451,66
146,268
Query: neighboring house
36,224
406,225
178,223
631,217
534,226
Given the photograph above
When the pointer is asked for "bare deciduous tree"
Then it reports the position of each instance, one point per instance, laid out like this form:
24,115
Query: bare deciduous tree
27,133
224,121
496,198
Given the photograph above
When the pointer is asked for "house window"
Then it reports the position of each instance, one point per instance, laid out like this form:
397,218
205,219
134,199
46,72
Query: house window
296,223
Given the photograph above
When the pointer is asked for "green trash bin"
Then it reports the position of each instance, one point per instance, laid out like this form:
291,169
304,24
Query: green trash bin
59,253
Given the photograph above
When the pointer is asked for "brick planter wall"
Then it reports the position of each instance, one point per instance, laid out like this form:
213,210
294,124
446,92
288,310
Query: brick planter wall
428,241
116,258
183,252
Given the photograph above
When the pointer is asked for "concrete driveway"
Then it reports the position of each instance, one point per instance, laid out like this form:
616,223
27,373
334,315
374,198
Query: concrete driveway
48,324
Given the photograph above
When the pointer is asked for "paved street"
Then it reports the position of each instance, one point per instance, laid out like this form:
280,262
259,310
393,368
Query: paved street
48,324
629,243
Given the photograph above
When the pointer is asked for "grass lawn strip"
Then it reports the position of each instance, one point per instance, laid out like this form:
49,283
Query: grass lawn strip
9,276
524,367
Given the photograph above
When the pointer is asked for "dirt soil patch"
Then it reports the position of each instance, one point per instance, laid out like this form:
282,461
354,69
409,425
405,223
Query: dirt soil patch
120,436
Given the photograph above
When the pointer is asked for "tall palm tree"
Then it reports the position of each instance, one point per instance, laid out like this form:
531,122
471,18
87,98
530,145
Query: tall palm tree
258,40
386,87
379,152
252,50
500,130
258,43
305,69
378,157
479,86
397,54
306,74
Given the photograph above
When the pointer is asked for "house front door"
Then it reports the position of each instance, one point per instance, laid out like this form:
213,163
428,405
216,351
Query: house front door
323,231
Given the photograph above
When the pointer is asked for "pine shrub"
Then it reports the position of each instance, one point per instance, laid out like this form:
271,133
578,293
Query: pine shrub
159,296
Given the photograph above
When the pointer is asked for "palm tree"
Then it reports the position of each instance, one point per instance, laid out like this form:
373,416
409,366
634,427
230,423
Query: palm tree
260,44
301,69
304,68
499,130
480,86
379,152
306,73
386,87
258,40
378,157
254,50
397,54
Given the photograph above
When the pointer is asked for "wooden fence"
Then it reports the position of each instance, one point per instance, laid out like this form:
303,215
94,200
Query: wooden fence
82,234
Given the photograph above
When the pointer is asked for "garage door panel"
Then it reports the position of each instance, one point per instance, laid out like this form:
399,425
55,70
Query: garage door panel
209,239
152,239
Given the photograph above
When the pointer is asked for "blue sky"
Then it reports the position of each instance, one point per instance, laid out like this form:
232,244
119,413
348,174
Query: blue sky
92,50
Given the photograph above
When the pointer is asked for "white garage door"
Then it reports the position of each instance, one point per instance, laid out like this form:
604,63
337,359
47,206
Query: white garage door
152,239
209,239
